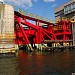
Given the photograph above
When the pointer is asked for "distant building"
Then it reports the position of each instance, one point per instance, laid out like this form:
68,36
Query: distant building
66,10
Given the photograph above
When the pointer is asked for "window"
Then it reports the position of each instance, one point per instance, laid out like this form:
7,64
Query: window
71,6
65,9
74,5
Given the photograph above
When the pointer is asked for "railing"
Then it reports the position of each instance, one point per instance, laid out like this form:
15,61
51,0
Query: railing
34,16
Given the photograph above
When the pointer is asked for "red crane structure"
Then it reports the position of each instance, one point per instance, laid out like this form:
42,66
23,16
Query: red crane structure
28,33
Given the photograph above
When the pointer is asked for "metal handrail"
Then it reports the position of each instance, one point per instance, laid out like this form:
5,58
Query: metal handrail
34,16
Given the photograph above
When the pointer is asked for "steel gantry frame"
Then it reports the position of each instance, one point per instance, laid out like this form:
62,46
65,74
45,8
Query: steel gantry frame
30,33
37,33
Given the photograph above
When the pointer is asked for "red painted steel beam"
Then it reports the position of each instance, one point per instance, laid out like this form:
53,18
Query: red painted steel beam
32,25
30,18
24,35
40,32
46,35
37,27
21,29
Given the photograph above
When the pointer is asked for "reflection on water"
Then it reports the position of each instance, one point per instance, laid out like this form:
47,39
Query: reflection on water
39,63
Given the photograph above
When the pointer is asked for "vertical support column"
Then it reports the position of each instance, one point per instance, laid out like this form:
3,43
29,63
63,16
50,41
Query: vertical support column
38,36
37,23
24,19
69,25
37,40
73,33
64,37
64,33
39,32
64,27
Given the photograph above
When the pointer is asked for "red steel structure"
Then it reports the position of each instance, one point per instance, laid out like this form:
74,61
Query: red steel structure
29,33
34,33
62,30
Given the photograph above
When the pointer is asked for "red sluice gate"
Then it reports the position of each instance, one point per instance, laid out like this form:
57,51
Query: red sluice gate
32,34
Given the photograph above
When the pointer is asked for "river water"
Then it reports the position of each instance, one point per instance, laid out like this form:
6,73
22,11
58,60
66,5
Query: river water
39,63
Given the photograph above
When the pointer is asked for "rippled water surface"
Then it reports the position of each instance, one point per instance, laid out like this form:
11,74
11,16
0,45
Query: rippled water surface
39,63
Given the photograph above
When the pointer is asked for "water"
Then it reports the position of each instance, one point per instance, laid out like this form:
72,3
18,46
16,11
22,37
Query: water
39,63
